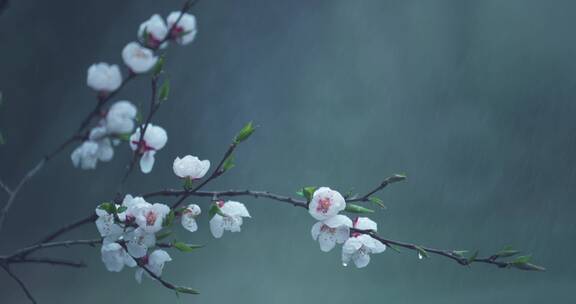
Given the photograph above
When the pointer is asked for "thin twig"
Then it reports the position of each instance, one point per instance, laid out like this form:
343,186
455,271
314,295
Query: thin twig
19,281
442,252
5,188
68,227
27,250
50,261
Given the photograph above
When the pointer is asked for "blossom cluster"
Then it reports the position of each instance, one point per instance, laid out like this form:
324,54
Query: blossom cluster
118,122
333,228
130,231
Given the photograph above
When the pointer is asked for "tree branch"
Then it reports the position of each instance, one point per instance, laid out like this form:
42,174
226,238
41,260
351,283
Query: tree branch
20,282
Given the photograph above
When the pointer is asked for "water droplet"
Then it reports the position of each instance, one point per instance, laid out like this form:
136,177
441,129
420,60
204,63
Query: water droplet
344,264
420,256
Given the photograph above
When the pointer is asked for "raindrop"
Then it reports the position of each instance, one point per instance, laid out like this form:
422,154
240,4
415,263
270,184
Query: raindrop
344,264
420,256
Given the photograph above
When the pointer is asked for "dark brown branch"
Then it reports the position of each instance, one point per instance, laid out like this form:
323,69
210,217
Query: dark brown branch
390,180
19,281
451,254
229,193
72,226
50,261
27,250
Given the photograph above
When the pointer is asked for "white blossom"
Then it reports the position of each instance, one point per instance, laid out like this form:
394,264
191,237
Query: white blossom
185,31
87,155
115,257
155,263
332,231
108,229
190,167
188,218
364,223
150,217
358,247
138,58
104,77
153,31
138,241
154,139
326,203
231,220
120,117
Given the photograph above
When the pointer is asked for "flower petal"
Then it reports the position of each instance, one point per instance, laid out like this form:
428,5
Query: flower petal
147,162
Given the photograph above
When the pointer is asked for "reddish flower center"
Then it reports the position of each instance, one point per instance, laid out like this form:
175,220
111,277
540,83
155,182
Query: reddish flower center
220,204
324,205
141,146
150,218
325,228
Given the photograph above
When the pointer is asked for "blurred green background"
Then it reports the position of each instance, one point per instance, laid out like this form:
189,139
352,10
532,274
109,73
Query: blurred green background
473,100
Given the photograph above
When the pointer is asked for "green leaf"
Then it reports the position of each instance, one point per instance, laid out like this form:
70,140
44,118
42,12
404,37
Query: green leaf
394,247
228,163
460,253
188,184
164,91
169,219
308,192
124,137
522,259
528,266
244,133
473,257
187,290
507,252
139,119
163,234
422,253
300,193
159,67
377,201
214,209
110,208
186,247
357,209
121,209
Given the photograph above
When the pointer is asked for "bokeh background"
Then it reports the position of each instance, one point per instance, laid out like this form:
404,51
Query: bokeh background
474,100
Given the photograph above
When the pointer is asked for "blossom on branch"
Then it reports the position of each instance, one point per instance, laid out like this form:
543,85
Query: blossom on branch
185,30
188,217
138,241
150,218
359,246
115,257
87,155
190,167
153,31
120,117
154,262
229,219
138,58
154,139
326,203
104,77
332,231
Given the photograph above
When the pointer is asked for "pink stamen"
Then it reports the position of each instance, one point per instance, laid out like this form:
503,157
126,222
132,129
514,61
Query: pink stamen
324,205
150,218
